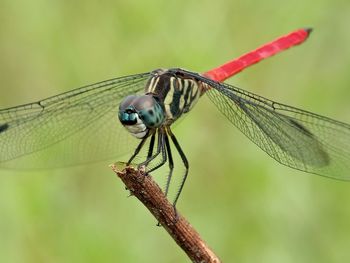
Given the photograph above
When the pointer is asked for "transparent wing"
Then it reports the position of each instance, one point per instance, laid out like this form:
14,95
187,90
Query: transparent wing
294,137
79,126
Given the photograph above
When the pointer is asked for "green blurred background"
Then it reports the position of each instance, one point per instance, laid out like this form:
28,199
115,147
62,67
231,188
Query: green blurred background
246,206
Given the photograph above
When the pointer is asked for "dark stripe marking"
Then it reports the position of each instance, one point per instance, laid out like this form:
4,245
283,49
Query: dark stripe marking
174,107
301,128
4,127
187,96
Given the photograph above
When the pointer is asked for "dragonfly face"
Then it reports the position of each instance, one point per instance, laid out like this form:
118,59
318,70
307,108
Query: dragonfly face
139,114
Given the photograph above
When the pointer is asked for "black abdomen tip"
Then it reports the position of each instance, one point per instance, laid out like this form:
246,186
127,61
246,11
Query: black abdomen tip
308,30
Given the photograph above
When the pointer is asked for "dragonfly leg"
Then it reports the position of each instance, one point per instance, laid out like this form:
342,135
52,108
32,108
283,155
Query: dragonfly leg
184,160
137,150
151,146
160,149
171,164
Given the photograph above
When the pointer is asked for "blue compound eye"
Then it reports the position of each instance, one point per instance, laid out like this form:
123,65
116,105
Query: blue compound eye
127,102
128,116
144,108
150,111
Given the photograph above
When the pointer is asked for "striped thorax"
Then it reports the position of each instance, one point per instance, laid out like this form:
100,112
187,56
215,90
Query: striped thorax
177,92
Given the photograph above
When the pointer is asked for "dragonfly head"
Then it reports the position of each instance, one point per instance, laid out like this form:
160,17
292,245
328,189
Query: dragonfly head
139,113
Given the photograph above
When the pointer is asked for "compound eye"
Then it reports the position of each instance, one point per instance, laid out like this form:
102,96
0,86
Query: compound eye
127,102
128,117
144,102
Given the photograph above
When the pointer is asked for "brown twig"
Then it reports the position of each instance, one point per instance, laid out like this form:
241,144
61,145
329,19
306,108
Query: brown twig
150,194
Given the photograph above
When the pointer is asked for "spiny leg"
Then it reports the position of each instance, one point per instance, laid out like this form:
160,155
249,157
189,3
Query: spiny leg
160,149
184,160
151,146
151,157
163,151
171,164
137,150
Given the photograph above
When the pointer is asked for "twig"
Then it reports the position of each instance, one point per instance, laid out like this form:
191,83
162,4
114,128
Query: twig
150,194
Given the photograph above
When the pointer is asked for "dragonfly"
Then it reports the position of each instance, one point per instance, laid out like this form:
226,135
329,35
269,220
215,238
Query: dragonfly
148,104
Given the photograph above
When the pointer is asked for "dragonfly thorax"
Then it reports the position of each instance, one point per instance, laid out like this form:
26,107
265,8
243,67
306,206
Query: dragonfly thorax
139,114
176,90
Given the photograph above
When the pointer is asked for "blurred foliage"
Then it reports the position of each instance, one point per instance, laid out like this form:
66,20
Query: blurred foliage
248,207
